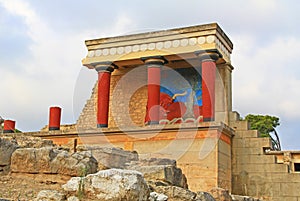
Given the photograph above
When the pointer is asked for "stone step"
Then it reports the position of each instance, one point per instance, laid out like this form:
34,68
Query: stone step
255,142
239,125
246,134
272,168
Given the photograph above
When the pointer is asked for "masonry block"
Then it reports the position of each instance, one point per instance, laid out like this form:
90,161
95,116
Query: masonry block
273,168
255,159
247,151
240,125
246,134
290,189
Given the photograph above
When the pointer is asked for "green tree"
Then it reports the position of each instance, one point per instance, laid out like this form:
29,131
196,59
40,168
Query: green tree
266,125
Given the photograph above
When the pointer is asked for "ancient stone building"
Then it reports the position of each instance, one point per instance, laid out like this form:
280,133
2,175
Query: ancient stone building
168,94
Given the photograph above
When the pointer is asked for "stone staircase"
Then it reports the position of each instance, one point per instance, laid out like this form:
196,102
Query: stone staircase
256,172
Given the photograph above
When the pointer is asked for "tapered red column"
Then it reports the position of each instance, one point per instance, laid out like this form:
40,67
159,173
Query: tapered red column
104,73
208,71
154,65
9,126
54,118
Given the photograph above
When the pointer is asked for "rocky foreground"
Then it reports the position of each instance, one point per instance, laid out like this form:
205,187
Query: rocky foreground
36,169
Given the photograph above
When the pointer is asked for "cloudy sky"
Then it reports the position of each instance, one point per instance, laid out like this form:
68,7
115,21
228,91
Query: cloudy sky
42,44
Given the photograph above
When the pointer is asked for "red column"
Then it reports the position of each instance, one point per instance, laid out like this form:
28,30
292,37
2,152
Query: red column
104,72
54,118
154,65
208,63
9,126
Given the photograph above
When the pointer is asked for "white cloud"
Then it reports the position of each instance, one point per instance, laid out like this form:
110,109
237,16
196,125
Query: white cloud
266,77
265,37
24,10
48,76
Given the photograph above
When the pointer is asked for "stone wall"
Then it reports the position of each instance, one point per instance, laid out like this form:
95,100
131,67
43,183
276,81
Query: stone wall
127,105
98,173
202,152
258,173
224,165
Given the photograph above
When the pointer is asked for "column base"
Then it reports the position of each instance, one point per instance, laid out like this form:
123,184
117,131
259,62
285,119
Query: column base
53,128
8,131
152,122
207,119
102,125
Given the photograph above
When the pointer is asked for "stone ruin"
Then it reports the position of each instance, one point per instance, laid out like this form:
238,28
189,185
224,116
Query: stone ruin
171,144
97,173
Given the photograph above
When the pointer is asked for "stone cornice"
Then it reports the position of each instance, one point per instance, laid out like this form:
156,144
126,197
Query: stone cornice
167,42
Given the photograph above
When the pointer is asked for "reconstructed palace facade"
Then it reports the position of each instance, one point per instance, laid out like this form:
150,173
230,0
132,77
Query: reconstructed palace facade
168,94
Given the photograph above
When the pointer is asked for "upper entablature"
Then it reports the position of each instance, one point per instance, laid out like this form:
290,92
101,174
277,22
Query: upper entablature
180,41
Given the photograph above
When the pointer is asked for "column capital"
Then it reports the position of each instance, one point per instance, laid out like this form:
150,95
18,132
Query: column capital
154,60
208,55
107,66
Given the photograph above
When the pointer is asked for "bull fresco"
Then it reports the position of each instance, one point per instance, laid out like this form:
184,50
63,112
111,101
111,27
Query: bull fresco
180,95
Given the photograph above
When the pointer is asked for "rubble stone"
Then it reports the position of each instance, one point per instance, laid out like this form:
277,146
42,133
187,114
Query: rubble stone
109,185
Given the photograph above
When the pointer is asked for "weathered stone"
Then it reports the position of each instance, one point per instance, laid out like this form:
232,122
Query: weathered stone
8,144
111,157
204,196
76,164
154,161
29,141
157,197
7,147
220,194
50,195
53,161
176,193
32,160
73,198
243,198
160,172
73,184
109,185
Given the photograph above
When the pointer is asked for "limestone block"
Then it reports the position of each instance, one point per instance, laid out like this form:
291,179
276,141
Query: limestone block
112,157
234,116
76,164
50,195
286,198
32,160
73,198
110,185
258,142
204,196
238,142
52,161
239,125
157,197
7,147
176,193
32,142
246,134
290,189
160,170
243,198
220,194
274,168
255,150
256,159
